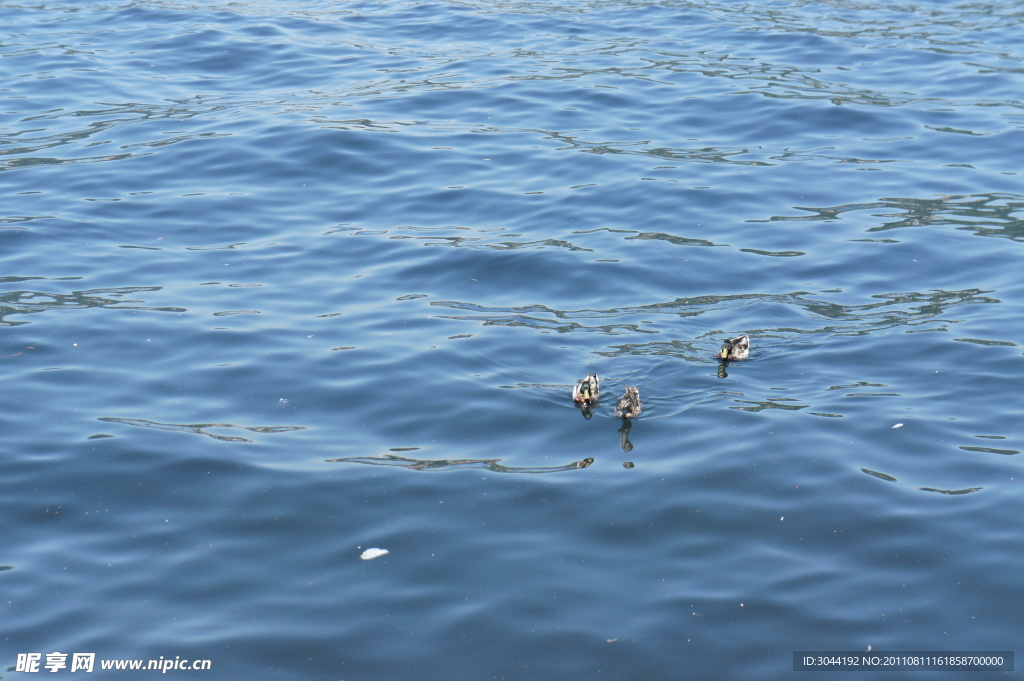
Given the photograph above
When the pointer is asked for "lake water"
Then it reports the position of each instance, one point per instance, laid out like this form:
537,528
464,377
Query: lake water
286,281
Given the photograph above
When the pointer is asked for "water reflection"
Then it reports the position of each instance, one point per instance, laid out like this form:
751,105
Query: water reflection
202,428
993,215
541,317
761,405
999,215
990,450
930,309
494,465
624,441
25,302
92,123
951,492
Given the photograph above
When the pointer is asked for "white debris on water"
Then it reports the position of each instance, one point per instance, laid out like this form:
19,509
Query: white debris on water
370,554
898,425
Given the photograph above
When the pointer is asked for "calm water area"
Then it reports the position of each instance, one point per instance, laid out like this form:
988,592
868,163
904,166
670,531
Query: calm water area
283,281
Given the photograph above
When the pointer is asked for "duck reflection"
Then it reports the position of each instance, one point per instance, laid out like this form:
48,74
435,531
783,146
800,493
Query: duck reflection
624,441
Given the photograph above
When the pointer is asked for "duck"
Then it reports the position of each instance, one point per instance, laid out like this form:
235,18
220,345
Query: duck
587,391
735,348
629,405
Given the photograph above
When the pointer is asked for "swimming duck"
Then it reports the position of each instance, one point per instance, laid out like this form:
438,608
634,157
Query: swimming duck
735,348
629,406
587,391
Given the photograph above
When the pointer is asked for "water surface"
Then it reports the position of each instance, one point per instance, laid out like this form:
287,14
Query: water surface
285,281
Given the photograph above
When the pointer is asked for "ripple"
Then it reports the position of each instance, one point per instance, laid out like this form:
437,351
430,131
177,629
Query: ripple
201,428
433,465
933,310
997,215
28,302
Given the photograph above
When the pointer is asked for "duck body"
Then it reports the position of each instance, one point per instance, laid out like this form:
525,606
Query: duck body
629,404
586,392
735,348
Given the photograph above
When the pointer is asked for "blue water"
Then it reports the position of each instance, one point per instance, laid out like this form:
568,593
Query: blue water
284,281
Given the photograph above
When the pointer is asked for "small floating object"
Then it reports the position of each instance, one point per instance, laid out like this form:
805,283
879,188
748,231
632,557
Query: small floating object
586,392
370,554
629,405
898,425
735,348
